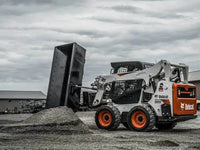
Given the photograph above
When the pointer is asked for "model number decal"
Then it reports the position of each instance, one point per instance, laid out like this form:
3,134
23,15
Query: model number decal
157,101
163,96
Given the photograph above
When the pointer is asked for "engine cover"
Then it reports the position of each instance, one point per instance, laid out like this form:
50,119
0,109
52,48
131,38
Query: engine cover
184,99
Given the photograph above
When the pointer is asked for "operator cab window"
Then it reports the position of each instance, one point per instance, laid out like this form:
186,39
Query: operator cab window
177,75
125,92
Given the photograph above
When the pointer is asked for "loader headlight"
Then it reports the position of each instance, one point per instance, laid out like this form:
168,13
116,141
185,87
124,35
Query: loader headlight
193,93
179,92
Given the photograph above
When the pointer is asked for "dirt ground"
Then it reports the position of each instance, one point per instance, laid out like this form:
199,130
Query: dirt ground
185,135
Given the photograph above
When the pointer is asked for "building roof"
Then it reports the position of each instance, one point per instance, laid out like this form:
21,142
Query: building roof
194,76
22,95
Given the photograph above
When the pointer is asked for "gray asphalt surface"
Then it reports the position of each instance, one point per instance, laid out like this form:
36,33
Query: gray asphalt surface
186,135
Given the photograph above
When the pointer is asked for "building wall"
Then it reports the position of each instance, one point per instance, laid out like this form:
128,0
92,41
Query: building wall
197,83
10,105
20,106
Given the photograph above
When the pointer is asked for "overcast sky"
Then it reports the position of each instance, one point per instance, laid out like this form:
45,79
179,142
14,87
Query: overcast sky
110,30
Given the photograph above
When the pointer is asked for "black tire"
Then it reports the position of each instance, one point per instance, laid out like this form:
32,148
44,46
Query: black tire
125,124
113,114
166,126
198,106
144,122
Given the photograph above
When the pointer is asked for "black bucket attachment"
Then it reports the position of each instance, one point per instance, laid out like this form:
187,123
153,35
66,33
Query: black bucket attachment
67,71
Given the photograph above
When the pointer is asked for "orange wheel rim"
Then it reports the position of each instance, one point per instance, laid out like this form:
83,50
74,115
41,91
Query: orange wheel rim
105,118
138,119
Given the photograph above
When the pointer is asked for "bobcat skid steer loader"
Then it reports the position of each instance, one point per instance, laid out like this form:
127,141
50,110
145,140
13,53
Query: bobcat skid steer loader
143,95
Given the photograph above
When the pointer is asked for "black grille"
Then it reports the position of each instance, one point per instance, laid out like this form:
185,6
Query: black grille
183,93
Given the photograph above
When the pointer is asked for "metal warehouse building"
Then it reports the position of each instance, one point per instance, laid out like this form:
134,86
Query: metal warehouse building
21,101
194,78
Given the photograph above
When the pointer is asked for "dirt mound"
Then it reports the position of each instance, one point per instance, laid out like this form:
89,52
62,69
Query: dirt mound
60,120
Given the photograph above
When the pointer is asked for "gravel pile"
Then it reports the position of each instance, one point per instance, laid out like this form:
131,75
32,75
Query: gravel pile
54,120
58,115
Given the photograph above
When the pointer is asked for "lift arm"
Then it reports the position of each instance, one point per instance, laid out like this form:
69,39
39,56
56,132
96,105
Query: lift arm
145,74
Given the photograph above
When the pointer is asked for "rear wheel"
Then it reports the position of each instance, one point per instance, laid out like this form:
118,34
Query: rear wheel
107,117
141,118
165,126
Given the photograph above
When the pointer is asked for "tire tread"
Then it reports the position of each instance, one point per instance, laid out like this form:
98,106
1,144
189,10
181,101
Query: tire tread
116,117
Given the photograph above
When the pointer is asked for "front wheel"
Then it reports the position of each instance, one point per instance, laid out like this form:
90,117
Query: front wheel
141,118
107,117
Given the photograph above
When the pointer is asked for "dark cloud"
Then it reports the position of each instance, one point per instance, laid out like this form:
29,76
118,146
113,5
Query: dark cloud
38,2
136,10
85,32
162,36
116,21
25,7
16,2
128,9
